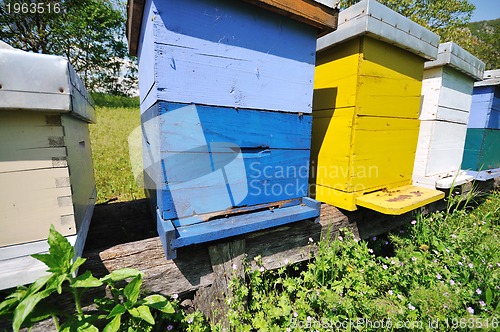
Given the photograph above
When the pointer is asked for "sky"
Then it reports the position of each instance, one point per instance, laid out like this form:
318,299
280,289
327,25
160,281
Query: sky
485,10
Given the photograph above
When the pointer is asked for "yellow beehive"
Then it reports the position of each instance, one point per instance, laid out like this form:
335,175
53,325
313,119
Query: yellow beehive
368,84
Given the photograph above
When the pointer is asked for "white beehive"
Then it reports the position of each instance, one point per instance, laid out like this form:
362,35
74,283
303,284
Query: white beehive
447,96
46,170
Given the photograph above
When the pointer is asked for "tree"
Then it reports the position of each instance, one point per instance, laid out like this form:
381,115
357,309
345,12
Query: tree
443,17
89,33
485,41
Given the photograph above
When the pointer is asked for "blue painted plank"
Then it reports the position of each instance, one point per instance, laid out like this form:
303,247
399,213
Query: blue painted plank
485,175
229,53
167,234
238,210
182,126
482,102
241,224
278,175
146,54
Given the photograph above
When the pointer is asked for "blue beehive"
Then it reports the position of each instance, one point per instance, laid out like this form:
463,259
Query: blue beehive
226,91
482,144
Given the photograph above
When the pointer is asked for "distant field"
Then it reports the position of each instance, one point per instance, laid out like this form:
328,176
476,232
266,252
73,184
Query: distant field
113,172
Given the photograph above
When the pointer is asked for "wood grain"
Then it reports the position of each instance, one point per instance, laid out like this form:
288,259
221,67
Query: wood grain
307,11
310,12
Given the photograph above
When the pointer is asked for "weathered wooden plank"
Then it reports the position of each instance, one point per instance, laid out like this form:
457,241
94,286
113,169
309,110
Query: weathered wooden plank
134,10
482,101
35,200
439,151
227,263
145,50
399,200
81,167
245,223
320,14
307,11
174,123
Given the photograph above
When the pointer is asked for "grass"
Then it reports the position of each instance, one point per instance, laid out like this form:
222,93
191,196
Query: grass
112,166
439,272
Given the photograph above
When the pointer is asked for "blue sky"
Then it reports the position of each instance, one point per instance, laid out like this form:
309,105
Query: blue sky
485,10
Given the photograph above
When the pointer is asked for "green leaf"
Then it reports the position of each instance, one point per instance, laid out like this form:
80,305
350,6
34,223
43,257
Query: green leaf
78,262
117,310
48,260
86,280
6,306
155,298
114,325
60,249
143,313
26,307
56,281
38,284
132,290
159,302
489,296
78,324
121,274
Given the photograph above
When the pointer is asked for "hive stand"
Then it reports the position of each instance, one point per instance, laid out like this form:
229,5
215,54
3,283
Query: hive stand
46,170
226,89
447,96
366,103
482,144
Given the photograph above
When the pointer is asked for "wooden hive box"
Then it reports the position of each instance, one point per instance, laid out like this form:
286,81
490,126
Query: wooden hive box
482,144
447,96
367,92
226,93
46,170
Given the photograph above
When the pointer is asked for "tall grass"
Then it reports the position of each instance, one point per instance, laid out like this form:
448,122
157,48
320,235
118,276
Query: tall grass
112,167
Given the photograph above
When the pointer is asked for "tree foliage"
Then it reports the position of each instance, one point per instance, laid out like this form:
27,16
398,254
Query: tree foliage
442,17
89,33
485,42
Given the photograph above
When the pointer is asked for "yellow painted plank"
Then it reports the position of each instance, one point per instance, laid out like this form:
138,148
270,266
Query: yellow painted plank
397,62
336,76
389,77
388,98
338,198
383,151
399,200
331,147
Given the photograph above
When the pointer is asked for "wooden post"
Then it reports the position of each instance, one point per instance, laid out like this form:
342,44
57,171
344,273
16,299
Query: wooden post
227,262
